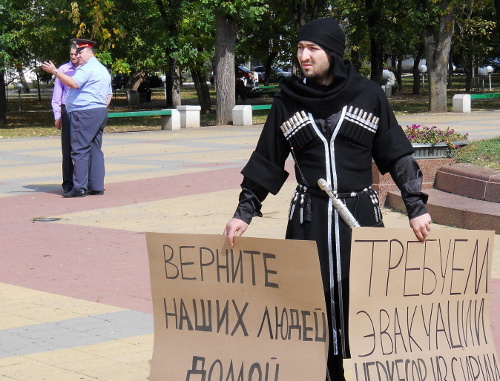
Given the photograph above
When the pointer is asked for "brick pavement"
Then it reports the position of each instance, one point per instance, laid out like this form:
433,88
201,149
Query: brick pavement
74,286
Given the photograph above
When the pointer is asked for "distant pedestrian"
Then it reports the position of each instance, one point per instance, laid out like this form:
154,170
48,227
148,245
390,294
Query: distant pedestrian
61,117
145,89
87,100
255,79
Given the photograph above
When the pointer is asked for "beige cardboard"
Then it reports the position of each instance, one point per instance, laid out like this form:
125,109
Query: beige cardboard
222,305
421,311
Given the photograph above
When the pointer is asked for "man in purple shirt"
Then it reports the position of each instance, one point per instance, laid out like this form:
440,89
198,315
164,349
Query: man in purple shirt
62,120
87,105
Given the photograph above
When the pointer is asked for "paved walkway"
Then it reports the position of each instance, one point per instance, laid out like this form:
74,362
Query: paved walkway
75,298
479,124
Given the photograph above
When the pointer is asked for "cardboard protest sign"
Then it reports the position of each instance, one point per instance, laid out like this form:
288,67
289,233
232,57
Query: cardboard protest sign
252,312
420,311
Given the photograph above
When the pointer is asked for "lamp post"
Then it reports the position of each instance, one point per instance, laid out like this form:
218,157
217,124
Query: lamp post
19,88
490,70
485,71
386,80
422,68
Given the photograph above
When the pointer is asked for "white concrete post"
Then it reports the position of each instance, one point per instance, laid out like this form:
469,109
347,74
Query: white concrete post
171,122
461,103
190,116
387,89
242,115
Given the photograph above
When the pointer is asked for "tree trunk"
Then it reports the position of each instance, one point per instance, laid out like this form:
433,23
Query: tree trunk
416,72
135,80
267,67
377,60
399,73
497,12
170,14
225,46
356,59
176,83
3,99
469,72
376,43
317,8
22,78
202,90
168,84
450,72
302,13
38,88
172,82
437,45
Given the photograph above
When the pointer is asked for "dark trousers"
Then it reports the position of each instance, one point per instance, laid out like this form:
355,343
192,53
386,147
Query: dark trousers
335,363
67,161
87,127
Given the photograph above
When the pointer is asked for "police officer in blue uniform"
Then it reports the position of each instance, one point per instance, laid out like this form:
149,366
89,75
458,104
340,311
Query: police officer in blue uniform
86,103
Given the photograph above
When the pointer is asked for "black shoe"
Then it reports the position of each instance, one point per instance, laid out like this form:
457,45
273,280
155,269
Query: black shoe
75,193
95,193
67,189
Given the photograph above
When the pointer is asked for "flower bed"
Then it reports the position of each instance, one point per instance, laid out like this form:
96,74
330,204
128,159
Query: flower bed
417,133
432,142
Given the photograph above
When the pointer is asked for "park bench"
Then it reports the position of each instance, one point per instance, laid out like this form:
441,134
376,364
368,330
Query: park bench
171,119
253,92
266,90
462,102
243,114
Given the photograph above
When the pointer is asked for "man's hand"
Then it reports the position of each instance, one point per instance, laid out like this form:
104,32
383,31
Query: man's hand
49,67
58,123
421,226
235,228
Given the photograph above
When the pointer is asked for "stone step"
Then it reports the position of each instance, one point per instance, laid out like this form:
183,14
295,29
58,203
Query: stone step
469,180
383,183
455,210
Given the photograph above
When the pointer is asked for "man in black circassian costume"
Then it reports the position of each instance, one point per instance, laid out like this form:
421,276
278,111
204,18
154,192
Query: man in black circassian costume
333,121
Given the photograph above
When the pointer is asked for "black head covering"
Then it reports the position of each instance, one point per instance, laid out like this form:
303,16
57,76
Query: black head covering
325,32
347,83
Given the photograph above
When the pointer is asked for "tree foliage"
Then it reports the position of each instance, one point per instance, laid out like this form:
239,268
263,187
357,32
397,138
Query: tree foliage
228,16
196,37
474,37
28,31
437,35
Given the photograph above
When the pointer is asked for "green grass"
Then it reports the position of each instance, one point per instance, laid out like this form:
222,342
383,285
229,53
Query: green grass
483,153
35,117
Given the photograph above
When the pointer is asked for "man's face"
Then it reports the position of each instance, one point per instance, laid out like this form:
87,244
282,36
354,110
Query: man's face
85,54
74,57
314,62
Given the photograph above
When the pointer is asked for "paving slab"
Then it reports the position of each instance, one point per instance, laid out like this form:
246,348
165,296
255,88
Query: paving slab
74,287
478,124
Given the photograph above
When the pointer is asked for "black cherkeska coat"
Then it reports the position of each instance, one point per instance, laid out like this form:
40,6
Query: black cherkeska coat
343,127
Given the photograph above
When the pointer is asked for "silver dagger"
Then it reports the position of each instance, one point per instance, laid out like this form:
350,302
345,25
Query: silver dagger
339,206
